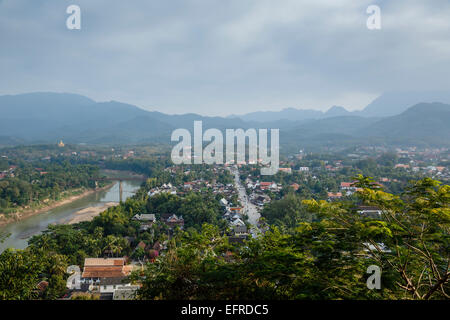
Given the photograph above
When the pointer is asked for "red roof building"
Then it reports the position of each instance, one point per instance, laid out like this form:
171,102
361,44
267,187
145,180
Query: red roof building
105,268
334,195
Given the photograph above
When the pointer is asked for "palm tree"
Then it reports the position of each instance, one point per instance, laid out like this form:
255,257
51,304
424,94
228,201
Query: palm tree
112,246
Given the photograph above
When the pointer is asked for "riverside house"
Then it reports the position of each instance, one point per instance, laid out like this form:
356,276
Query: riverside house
105,275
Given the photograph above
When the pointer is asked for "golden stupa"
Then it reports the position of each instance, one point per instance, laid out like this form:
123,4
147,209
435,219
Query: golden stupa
61,144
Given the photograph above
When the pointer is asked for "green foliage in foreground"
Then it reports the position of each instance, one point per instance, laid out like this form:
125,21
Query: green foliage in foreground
321,258
325,259
22,270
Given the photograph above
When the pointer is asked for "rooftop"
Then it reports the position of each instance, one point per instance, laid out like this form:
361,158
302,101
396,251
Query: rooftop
104,262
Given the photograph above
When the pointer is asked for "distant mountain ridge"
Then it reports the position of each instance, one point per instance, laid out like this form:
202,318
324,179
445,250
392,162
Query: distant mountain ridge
285,114
424,123
394,103
44,117
49,117
292,114
386,105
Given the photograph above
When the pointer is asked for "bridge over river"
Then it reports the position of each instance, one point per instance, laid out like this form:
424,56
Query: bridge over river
123,186
120,177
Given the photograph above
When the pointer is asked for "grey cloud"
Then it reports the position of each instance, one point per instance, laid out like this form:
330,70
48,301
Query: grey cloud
221,57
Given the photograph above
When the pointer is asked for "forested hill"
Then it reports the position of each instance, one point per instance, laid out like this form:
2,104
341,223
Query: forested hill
49,117
426,123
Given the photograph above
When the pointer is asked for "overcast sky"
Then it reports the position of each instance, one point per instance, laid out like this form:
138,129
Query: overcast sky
218,57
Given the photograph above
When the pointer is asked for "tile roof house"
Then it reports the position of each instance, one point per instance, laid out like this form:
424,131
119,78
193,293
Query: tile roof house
336,195
267,185
105,275
285,170
240,229
145,217
235,209
96,268
172,220
349,188
141,245
146,220
347,185
238,222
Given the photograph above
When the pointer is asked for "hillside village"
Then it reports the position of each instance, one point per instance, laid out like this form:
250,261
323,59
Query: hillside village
232,197
224,159
107,278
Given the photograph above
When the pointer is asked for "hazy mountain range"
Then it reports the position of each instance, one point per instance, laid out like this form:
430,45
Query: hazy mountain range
388,104
400,118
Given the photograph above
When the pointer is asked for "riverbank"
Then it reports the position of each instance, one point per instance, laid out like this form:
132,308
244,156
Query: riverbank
90,213
26,213
21,231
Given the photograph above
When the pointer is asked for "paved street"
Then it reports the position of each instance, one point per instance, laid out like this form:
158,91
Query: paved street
249,208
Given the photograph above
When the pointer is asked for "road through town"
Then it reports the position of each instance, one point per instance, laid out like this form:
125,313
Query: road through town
249,208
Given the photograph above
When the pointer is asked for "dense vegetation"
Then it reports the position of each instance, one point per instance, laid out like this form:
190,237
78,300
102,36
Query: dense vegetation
44,181
22,270
196,209
324,259
307,248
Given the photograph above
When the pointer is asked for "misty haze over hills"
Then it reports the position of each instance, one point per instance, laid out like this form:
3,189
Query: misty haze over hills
388,104
395,118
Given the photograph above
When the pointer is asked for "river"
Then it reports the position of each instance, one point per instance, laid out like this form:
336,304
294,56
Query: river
22,230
